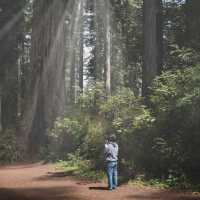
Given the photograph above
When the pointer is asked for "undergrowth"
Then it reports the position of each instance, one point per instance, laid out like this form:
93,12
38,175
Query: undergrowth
170,183
75,165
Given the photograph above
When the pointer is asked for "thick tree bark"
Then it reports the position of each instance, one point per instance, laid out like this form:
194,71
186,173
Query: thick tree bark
102,12
100,48
74,54
108,48
81,64
48,63
81,46
152,42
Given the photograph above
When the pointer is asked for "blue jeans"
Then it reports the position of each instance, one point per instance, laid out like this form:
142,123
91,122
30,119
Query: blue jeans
112,174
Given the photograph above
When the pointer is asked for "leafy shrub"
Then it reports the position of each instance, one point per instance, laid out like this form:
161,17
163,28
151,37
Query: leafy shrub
162,142
121,113
182,57
80,167
65,137
92,98
10,151
170,182
176,107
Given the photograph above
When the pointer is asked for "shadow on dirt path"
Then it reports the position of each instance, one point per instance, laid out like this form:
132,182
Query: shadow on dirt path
98,188
43,182
50,193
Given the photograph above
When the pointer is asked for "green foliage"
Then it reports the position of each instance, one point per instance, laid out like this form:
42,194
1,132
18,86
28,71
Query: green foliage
10,151
175,106
65,137
125,111
80,167
92,98
66,126
183,56
140,181
162,142
170,182
121,113
130,120
73,161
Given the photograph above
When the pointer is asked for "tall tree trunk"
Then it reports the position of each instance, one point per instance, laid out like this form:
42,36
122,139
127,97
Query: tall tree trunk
81,64
108,48
19,96
75,51
81,46
48,63
152,42
100,48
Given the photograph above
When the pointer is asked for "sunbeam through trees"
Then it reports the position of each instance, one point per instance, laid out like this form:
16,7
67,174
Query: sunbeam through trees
72,72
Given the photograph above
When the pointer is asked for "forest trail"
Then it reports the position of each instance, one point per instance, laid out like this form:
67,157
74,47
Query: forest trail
44,182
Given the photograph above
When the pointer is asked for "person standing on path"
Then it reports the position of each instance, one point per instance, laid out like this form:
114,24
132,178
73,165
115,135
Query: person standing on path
111,157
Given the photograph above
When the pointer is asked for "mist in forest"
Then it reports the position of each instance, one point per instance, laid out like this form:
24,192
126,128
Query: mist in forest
72,72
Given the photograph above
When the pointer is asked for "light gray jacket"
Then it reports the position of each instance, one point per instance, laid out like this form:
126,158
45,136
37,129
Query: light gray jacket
111,151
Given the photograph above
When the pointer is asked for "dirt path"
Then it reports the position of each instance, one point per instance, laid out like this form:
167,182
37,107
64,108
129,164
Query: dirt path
43,182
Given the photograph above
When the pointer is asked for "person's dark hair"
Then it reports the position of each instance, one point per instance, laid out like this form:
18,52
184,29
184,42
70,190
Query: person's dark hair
112,138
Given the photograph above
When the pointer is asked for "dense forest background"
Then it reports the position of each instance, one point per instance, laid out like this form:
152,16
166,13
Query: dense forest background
74,71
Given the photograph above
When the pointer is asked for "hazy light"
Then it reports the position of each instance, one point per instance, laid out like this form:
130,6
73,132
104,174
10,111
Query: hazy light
42,81
11,23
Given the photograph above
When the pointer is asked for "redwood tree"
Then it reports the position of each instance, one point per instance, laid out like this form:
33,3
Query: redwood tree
48,64
152,42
